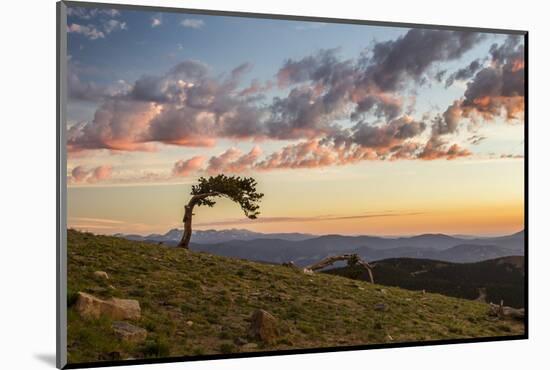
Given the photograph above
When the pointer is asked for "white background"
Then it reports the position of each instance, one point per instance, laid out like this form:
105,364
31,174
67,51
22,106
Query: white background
27,204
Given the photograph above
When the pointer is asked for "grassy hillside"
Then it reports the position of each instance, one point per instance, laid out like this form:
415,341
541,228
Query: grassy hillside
196,303
501,278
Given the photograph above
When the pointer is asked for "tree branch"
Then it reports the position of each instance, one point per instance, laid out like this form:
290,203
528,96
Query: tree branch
353,259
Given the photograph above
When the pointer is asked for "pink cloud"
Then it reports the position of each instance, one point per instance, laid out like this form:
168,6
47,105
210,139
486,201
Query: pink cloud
436,148
185,168
234,161
101,173
117,125
80,174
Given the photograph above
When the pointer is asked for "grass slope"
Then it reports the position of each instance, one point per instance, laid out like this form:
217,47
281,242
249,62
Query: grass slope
219,295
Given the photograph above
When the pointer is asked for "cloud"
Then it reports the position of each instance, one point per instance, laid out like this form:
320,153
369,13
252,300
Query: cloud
89,13
80,174
362,142
185,106
104,22
387,136
233,160
476,139
100,173
498,89
118,124
393,63
327,88
512,156
89,31
189,106
436,148
156,20
256,87
192,23
464,74
80,89
309,26
439,75
186,167
241,221
315,153
447,123
114,25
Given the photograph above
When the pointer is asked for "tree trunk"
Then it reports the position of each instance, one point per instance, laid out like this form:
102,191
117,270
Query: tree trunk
188,218
187,229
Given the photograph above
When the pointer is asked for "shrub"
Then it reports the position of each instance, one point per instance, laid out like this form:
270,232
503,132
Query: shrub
156,348
228,348
71,298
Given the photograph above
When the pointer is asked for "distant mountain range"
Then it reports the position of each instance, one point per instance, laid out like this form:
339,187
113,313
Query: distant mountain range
173,236
304,249
492,280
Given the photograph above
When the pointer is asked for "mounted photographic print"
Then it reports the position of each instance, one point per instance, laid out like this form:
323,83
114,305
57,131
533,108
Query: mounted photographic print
235,184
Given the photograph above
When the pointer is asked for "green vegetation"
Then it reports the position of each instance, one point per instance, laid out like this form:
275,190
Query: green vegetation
501,278
196,303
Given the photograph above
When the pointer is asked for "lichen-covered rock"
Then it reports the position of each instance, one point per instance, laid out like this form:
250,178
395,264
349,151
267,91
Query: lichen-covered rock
90,306
263,326
101,274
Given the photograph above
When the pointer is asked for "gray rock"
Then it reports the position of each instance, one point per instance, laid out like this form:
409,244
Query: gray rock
263,326
249,346
129,332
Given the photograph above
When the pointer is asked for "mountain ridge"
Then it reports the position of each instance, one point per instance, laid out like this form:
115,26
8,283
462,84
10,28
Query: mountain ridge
304,249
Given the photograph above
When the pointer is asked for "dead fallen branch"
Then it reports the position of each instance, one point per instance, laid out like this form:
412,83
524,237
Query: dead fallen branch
352,260
505,312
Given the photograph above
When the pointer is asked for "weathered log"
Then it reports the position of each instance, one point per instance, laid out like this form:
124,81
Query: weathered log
505,312
290,264
352,259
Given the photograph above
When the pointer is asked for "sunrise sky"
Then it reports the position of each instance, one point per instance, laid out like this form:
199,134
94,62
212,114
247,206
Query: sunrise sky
348,129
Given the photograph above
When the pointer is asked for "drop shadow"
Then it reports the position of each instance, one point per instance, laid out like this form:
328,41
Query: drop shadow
47,358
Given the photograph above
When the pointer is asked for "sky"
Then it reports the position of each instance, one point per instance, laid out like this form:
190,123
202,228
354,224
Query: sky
348,129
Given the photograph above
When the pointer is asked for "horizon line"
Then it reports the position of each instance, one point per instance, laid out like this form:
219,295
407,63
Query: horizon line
388,236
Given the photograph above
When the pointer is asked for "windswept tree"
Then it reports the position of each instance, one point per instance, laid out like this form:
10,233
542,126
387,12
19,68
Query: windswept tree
241,190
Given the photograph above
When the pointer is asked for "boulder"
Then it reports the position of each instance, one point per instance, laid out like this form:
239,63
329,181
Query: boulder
240,341
249,346
129,332
263,326
381,307
90,306
101,274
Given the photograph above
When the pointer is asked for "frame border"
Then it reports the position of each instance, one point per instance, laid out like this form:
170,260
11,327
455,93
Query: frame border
61,189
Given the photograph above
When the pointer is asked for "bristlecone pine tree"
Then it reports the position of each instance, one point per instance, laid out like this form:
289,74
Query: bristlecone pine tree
241,190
